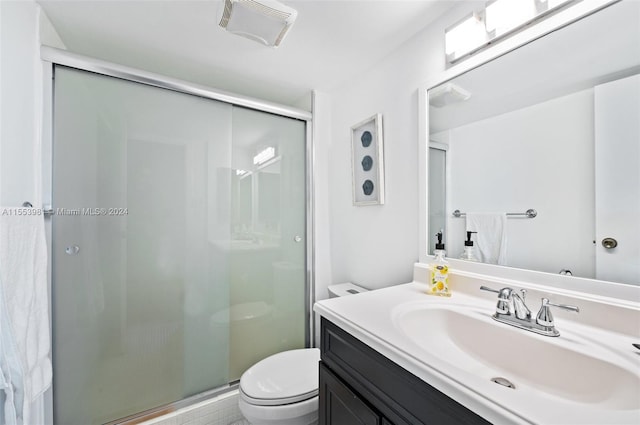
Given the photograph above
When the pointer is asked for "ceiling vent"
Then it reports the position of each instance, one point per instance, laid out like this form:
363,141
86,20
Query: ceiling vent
265,21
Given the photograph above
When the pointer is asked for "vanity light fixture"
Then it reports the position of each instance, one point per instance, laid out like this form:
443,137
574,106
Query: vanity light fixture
264,155
497,20
502,16
244,176
465,36
264,21
551,4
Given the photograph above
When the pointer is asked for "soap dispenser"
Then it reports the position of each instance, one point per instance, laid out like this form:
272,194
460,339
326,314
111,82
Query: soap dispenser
439,282
469,252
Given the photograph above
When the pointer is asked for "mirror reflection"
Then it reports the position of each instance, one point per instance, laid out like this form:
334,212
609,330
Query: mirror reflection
255,203
554,127
262,143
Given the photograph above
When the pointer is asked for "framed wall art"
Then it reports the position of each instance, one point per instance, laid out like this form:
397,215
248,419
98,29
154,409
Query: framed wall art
367,162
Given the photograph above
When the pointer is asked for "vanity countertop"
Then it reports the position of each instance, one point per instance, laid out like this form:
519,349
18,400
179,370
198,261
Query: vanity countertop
588,374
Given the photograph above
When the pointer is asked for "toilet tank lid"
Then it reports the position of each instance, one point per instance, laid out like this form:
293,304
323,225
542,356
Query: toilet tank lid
285,377
342,289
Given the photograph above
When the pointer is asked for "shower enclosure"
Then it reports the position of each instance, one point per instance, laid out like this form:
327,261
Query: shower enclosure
178,244
437,192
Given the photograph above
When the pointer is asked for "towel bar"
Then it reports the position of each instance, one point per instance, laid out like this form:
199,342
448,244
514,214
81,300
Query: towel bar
530,213
46,209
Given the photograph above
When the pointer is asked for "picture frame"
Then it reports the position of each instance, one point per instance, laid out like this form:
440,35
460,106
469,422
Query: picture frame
367,161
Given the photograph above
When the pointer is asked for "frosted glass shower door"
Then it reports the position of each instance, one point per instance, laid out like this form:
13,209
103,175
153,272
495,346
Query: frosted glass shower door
267,251
141,246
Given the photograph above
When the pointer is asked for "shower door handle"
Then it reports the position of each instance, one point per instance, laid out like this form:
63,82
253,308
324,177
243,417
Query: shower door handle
297,238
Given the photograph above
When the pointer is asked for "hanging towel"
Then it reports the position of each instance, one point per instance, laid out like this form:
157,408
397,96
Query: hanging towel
491,237
25,342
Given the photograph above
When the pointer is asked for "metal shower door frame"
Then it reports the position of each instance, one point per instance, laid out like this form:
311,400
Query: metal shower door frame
52,57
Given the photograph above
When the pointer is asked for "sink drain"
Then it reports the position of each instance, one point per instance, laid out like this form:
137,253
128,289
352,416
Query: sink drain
504,382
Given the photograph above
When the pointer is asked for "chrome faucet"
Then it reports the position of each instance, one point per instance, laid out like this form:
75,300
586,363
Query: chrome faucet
512,310
510,303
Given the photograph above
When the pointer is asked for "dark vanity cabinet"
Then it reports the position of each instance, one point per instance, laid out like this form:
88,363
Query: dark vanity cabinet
358,385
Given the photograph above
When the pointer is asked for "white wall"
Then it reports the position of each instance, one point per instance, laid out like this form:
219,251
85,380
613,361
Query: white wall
376,246
321,213
18,78
23,26
495,167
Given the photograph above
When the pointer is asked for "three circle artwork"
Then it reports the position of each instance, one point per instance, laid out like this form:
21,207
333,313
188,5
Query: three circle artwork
367,161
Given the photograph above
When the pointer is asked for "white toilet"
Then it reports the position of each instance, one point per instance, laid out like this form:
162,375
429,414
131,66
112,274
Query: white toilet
282,389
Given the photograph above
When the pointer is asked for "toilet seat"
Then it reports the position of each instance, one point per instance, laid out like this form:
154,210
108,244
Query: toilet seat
283,378
277,401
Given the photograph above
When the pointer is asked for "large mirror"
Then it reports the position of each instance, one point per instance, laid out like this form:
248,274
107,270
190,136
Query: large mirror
552,127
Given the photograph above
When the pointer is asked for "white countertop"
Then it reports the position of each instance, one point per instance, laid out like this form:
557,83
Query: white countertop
370,317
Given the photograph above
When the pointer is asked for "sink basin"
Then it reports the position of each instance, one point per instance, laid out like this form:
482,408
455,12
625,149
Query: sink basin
571,367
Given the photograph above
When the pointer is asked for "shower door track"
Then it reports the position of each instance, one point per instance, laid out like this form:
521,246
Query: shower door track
73,60
52,56
166,409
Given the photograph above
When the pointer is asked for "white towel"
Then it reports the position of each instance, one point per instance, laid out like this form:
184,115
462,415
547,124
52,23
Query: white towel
25,365
491,238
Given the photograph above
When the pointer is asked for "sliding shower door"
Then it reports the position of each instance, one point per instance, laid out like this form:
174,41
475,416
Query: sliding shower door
178,253
267,254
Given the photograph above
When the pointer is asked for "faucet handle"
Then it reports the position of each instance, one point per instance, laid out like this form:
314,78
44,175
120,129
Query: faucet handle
503,294
545,318
504,299
486,288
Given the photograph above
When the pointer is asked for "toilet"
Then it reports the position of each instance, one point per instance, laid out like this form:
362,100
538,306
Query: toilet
283,388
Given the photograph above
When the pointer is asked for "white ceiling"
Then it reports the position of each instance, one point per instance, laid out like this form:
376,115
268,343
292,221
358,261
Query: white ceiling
330,43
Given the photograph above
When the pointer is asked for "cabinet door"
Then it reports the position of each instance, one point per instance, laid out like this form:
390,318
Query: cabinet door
341,406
